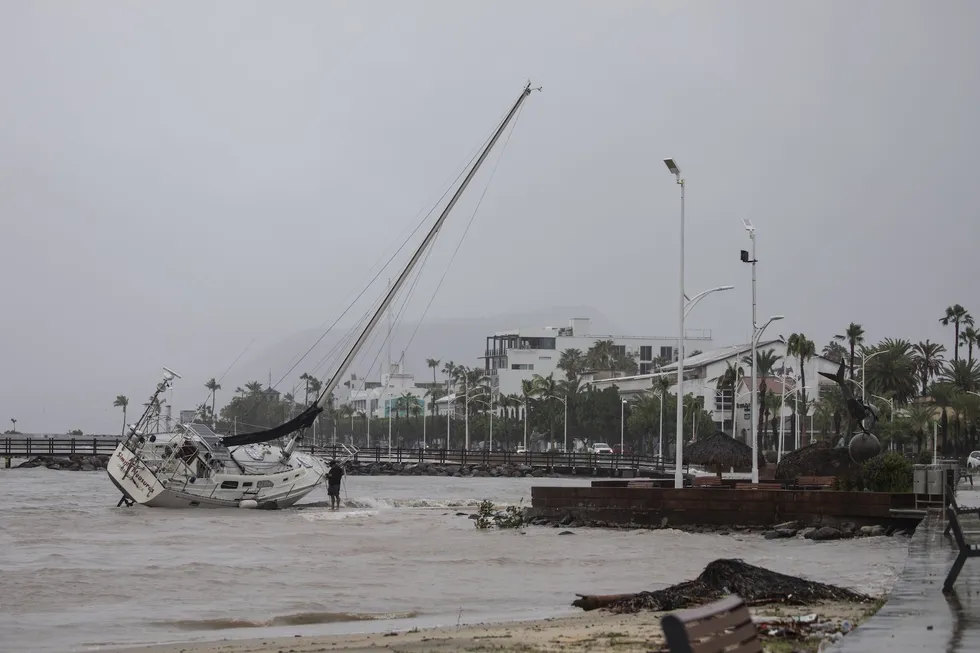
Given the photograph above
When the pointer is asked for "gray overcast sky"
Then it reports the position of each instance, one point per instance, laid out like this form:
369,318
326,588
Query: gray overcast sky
179,178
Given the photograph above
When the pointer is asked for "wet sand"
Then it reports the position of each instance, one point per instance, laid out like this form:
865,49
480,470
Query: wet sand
589,631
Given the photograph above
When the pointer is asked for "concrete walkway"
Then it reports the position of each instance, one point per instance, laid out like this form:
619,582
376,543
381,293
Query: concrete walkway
917,615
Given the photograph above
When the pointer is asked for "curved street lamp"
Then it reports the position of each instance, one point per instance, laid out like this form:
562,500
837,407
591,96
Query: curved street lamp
755,400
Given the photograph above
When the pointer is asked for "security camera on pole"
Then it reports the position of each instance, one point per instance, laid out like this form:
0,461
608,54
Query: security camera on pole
756,334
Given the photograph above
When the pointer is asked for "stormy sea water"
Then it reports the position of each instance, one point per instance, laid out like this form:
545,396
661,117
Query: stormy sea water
77,573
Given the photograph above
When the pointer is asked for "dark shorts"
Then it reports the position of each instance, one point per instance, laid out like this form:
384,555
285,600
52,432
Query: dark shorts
333,490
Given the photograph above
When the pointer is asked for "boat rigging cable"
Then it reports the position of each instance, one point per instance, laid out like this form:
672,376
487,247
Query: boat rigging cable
404,242
347,337
400,313
306,418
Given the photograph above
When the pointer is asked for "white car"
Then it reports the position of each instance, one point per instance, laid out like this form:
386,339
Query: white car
521,449
973,460
600,447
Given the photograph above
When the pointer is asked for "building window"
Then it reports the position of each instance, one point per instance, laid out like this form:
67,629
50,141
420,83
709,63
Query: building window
620,349
544,358
667,352
646,368
646,352
522,366
723,400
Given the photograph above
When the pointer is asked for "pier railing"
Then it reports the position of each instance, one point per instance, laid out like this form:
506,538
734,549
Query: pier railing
537,459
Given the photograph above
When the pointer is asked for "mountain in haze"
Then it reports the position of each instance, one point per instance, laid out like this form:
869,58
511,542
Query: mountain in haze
461,340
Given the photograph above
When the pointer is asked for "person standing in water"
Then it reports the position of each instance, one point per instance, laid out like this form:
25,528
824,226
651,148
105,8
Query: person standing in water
334,476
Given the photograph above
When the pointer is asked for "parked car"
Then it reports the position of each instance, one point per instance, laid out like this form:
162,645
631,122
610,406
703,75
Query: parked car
973,460
600,447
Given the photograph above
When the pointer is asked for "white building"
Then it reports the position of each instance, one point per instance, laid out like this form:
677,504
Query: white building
702,373
382,398
512,356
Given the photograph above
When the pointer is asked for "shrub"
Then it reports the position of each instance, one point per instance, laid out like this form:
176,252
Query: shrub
888,472
487,516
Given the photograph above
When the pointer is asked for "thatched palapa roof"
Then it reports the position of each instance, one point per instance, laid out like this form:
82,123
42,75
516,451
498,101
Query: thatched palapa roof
719,450
817,459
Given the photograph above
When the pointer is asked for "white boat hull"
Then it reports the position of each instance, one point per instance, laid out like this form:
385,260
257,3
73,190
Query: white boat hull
293,477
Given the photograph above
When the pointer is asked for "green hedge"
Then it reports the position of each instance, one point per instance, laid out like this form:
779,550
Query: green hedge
886,472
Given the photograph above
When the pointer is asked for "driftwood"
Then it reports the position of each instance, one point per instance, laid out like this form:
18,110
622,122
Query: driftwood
722,577
595,601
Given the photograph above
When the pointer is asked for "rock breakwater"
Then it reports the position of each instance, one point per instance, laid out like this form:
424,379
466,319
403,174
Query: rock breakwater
847,530
510,470
74,463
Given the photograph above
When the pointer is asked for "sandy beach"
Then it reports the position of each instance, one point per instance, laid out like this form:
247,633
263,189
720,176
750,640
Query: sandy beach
589,631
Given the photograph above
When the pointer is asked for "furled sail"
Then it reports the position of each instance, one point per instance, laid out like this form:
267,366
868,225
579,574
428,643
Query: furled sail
309,415
302,421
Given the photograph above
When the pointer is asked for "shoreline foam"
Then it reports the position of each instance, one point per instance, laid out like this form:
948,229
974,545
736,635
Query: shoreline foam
587,631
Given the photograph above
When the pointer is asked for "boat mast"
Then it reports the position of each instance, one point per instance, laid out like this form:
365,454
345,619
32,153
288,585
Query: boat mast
335,379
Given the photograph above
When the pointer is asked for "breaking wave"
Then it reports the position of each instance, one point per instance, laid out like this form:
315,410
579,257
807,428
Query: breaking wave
297,619
375,503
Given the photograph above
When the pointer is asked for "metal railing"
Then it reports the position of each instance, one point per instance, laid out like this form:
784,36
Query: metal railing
536,459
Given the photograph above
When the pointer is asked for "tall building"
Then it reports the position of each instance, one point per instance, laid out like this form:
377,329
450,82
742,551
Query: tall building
518,354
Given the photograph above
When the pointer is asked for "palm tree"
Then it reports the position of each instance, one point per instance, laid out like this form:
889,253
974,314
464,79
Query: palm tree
928,357
213,386
601,355
854,336
253,387
240,391
963,375
956,315
572,361
306,397
918,416
943,394
968,337
122,401
803,348
893,372
834,351
433,363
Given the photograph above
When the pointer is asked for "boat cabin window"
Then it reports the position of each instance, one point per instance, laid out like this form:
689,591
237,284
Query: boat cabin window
261,484
229,485
247,484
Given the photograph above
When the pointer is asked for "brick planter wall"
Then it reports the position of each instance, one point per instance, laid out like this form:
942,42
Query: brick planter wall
716,506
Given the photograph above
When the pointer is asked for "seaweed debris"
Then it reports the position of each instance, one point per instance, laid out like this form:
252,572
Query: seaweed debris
755,585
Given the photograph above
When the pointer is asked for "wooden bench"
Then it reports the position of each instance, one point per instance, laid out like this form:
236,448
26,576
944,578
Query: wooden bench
758,486
965,550
724,626
951,503
707,481
815,482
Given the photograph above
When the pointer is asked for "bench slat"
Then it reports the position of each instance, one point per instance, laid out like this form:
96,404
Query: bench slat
742,635
713,625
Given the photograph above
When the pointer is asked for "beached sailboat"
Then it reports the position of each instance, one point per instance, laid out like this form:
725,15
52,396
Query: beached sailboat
192,466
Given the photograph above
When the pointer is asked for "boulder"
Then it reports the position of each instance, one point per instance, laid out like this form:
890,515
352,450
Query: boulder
823,533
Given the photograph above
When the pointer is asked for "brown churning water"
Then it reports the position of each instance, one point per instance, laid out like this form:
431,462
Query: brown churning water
77,573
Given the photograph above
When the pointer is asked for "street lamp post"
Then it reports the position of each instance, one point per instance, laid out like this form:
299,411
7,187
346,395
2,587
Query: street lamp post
891,406
449,403
622,429
389,425
660,451
755,392
865,359
564,401
678,455
423,423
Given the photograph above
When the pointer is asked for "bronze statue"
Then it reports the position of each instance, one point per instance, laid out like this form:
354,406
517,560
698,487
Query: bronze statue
864,445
